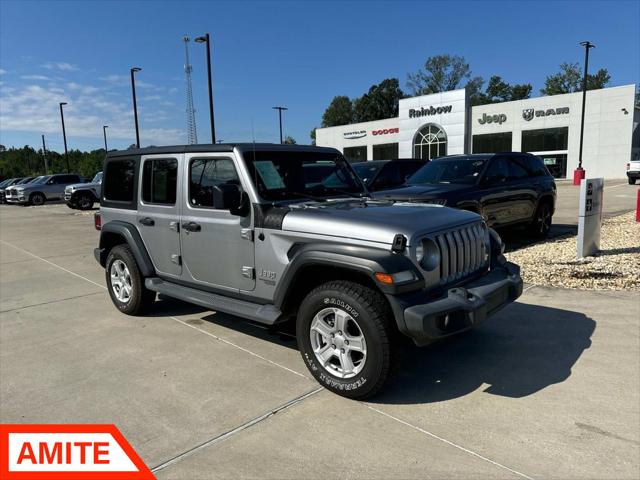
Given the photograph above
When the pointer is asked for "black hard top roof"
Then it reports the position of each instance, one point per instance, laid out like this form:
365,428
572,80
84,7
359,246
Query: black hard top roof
220,147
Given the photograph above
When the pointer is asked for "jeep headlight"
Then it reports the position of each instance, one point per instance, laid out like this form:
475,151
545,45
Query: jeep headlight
437,201
428,254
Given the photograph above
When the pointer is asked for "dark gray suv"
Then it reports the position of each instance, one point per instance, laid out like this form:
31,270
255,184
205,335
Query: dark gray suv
272,233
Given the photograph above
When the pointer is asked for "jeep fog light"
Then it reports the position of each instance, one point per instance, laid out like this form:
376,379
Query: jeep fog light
431,255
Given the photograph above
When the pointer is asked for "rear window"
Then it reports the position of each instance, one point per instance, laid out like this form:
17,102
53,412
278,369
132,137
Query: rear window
119,182
159,181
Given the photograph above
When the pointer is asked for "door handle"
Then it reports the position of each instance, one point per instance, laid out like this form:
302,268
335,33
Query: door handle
191,227
149,222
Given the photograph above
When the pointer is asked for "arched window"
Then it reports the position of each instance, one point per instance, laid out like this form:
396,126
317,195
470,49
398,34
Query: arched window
430,142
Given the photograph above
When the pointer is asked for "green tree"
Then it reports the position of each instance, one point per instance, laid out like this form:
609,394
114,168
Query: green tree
569,80
442,73
312,135
339,112
500,91
289,140
381,101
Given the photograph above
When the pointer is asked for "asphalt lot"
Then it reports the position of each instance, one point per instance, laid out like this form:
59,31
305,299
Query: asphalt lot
549,388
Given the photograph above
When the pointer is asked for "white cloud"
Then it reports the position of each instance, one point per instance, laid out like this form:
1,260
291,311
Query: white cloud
2,71
35,77
64,66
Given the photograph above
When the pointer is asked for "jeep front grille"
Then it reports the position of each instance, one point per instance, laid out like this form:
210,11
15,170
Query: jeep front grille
462,252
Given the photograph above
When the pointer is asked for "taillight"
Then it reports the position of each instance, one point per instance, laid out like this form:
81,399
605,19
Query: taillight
628,166
97,221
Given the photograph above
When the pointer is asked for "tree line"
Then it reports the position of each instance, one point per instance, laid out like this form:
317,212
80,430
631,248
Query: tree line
442,73
29,162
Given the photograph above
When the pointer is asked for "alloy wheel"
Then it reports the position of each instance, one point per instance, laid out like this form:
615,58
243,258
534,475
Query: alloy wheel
338,342
121,281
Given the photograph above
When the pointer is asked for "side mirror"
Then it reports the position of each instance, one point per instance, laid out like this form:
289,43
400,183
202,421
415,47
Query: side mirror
230,197
50,181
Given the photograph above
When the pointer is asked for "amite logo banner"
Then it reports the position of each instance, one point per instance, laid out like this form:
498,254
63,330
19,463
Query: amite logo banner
70,452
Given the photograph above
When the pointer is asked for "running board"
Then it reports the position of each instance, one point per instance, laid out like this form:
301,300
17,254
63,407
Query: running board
267,314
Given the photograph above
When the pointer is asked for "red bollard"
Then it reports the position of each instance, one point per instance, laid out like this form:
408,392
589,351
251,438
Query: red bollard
638,207
578,175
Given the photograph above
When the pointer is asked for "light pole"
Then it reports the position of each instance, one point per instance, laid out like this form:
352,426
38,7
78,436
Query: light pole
64,136
579,174
104,134
207,40
44,155
135,105
280,109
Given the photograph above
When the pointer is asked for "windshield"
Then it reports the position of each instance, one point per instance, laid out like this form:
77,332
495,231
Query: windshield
464,170
40,180
291,175
366,171
97,178
25,180
5,183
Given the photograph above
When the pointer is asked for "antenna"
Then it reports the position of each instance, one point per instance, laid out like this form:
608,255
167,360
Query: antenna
192,133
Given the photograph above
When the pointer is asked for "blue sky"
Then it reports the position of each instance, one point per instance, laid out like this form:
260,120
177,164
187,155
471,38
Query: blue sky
297,54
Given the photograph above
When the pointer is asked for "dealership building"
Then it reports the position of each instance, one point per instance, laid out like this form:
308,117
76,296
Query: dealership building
445,123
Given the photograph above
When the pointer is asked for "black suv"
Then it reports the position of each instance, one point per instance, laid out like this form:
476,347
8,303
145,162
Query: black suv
505,188
386,174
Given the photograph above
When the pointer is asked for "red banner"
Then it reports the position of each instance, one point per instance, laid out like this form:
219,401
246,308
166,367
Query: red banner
69,452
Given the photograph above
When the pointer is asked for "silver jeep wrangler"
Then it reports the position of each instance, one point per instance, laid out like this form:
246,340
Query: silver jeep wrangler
272,233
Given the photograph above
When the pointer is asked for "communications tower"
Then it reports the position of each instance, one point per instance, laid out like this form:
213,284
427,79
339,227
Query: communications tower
192,133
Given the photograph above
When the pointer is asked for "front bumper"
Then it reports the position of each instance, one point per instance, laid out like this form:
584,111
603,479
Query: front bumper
464,307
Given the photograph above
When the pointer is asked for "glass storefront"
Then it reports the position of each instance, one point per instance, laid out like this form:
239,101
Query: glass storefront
355,154
492,143
545,140
385,151
556,163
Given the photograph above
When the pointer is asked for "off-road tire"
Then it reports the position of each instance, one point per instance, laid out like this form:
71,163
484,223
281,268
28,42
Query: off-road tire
141,298
375,320
88,200
37,199
632,181
541,224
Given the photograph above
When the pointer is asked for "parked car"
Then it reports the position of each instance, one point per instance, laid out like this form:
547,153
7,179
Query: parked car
46,188
385,174
633,171
10,192
6,184
82,196
505,188
240,229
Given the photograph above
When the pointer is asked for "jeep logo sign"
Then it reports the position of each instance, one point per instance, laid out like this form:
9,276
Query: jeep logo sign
529,113
498,118
424,112
355,134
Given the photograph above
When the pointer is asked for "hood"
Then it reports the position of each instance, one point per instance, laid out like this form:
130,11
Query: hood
75,186
375,221
426,191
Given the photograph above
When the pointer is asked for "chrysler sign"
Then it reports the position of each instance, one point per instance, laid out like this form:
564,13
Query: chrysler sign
425,112
355,134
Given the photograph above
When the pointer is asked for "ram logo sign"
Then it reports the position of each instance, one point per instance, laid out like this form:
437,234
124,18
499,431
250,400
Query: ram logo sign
529,113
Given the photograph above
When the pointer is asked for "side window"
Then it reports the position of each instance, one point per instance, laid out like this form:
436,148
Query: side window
409,168
536,167
159,180
206,173
518,168
119,180
497,172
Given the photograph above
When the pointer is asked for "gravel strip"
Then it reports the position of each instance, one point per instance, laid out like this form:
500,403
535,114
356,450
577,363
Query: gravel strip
615,267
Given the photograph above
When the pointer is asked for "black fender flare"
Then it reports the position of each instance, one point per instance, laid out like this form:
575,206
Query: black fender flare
546,197
360,259
132,238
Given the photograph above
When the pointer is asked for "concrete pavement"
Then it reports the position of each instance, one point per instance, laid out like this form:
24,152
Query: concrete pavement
549,388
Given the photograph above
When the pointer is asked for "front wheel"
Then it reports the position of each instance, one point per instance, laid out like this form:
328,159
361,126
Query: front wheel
347,339
37,199
125,282
85,201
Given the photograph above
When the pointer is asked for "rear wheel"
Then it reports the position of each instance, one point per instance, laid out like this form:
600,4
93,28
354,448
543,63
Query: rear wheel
37,199
125,282
85,201
632,181
347,339
541,223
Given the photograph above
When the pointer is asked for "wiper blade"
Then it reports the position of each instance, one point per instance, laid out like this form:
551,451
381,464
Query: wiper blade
345,192
307,196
